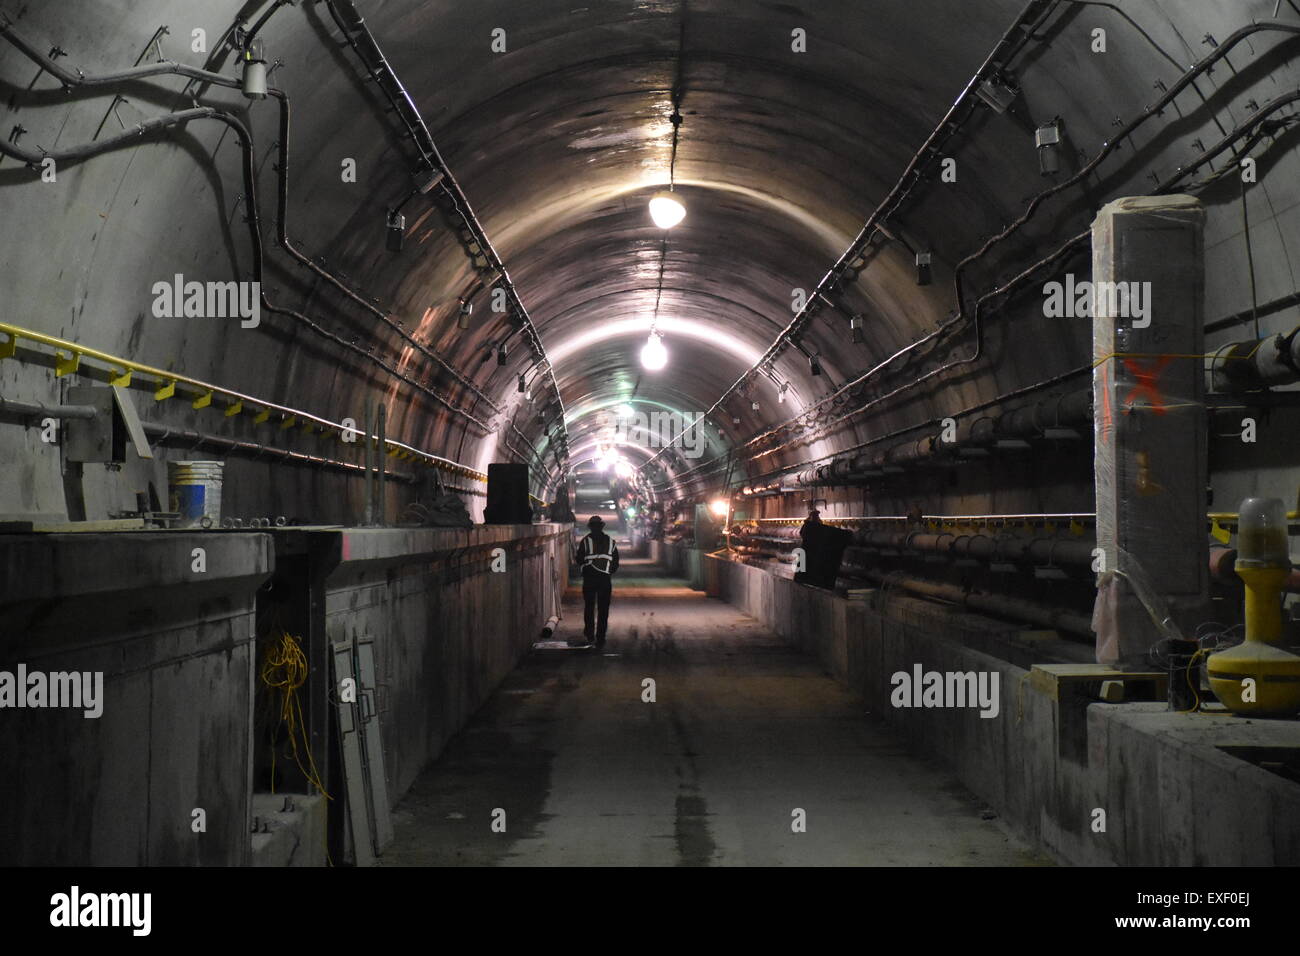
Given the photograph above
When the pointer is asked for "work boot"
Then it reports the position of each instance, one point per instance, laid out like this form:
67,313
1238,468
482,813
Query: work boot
583,642
600,642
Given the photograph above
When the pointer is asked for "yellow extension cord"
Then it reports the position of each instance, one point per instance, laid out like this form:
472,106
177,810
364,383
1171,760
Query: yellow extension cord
284,668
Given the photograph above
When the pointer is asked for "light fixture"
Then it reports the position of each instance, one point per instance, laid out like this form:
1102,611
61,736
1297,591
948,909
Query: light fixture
855,330
997,93
502,358
923,268
780,392
623,468
1048,140
653,354
813,365
466,310
253,84
396,232
666,209
720,507
523,386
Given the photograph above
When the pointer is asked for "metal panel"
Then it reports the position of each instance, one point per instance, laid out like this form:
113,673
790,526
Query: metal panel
372,746
344,665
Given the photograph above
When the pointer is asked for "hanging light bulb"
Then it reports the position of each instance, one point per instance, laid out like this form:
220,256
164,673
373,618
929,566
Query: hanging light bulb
653,354
666,209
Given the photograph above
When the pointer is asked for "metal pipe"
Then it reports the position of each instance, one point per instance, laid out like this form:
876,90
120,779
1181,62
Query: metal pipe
363,43
245,140
1001,605
69,78
1070,244
9,406
368,514
87,150
1256,363
381,427
189,438
316,269
257,27
1012,40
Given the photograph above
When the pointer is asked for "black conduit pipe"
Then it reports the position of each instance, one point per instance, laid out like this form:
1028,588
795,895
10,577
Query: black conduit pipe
68,78
1108,147
287,244
1011,41
350,22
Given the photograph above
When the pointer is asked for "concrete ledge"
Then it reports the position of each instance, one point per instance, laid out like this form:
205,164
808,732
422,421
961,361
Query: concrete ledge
405,544
37,567
1170,794
446,627
177,651
175,648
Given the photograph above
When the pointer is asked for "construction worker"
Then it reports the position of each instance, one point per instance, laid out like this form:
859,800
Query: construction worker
598,557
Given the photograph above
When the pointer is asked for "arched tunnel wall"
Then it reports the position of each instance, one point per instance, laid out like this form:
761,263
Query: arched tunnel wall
520,144
557,141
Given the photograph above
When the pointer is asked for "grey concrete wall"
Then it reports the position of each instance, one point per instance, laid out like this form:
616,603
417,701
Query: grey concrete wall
681,560
178,653
1171,795
447,628
176,650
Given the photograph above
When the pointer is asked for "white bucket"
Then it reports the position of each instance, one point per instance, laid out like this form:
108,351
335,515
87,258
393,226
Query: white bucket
194,490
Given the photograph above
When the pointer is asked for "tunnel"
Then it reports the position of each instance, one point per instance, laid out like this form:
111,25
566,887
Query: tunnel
650,433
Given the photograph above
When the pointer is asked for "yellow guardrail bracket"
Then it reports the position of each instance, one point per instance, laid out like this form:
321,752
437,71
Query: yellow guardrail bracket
262,416
121,379
165,391
203,401
1219,532
288,421
10,348
235,409
66,364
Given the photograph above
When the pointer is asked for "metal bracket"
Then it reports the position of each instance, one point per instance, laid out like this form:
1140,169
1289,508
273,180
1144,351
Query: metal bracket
104,437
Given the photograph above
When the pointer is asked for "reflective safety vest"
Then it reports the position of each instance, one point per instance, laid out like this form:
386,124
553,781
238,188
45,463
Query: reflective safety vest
599,562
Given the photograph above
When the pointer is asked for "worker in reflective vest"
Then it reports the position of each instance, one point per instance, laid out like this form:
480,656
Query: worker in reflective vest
598,557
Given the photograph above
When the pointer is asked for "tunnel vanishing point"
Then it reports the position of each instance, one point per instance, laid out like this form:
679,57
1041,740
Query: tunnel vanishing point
932,365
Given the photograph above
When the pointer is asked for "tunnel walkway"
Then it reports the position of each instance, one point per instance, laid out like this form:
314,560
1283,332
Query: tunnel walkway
742,732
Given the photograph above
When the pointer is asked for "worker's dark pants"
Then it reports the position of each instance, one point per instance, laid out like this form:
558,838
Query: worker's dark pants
596,590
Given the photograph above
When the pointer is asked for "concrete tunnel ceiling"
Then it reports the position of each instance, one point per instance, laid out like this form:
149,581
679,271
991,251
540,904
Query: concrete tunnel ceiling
563,139
560,140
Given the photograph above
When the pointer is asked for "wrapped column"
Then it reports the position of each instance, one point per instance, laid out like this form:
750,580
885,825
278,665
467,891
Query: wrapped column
1147,300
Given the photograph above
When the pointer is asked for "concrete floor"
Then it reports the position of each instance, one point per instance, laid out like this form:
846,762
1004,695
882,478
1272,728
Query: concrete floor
742,733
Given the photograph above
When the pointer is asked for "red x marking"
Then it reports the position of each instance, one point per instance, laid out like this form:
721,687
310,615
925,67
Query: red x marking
1145,375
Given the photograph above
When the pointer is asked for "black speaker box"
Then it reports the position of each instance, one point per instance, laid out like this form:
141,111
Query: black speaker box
507,495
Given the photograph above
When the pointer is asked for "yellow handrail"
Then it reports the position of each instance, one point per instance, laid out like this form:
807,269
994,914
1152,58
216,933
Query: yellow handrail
122,369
